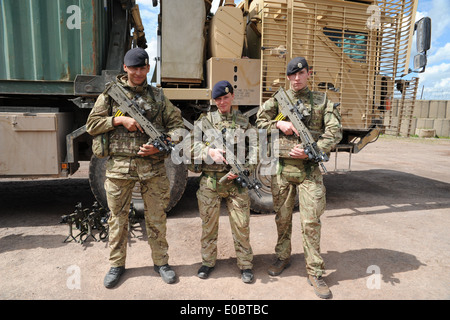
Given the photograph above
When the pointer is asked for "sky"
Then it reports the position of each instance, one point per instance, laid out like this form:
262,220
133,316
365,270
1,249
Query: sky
434,83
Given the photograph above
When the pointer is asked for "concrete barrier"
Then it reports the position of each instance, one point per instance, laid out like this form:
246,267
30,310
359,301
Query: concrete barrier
428,116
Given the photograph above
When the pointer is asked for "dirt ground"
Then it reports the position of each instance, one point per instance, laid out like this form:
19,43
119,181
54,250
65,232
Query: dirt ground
385,236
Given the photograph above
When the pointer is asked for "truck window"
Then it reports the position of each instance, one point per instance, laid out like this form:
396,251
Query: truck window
354,44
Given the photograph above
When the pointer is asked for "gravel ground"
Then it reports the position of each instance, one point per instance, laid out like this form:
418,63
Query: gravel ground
385,236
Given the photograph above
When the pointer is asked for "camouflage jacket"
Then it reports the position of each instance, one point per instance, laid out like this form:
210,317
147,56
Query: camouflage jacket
124,145
324,121
234,128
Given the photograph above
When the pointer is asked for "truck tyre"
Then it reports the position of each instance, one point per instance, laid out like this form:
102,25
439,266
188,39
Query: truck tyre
97,171
265,203
177,175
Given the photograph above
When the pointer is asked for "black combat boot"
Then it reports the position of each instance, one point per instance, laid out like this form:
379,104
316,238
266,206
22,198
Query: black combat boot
113,276
247,275
166,273
204,271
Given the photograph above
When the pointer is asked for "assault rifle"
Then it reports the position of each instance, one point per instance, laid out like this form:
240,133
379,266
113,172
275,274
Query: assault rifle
96,219
86,221
296,114
243,178
132,108
76,218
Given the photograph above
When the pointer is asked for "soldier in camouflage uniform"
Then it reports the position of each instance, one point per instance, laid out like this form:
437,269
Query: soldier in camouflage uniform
211,191
132,160
296,173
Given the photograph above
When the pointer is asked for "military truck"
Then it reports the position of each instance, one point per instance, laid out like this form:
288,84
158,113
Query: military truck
57,56
359,52
55,59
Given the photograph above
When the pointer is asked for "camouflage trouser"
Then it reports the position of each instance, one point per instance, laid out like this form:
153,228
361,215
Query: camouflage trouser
155,194
209,197
308,182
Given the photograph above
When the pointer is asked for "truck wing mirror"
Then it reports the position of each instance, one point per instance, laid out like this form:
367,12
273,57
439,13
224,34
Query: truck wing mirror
423,43
423,36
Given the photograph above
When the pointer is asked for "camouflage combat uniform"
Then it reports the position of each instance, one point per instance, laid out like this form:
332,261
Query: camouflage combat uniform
324,124
211,192
125,167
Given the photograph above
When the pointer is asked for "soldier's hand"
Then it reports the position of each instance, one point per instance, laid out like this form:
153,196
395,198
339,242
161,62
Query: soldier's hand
217,155
231,176
128,122
287,128
147,150
298,152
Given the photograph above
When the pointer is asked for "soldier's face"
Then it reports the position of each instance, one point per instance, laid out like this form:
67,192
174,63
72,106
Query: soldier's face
224,102
136,75
299,80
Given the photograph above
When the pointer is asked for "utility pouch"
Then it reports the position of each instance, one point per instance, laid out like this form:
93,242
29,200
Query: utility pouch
100,145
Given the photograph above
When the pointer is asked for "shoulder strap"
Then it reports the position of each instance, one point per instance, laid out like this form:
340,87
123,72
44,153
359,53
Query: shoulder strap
150,92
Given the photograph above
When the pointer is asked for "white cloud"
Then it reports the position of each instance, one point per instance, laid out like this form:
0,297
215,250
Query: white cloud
434,74
214,5
148,3
439,54
443,84
152,49
440,18
435,82
420,15
437,69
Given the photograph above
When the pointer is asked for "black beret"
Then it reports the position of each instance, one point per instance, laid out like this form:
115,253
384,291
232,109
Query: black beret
221,88
136,57
295,65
